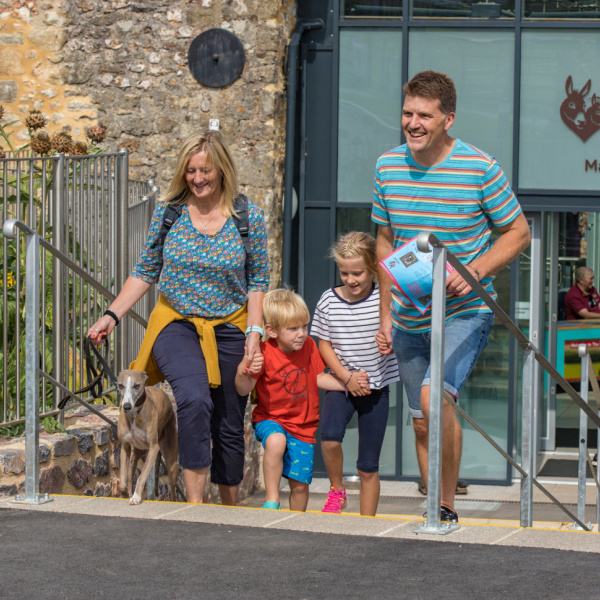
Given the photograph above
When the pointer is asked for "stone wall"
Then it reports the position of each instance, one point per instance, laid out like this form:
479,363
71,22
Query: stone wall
86,461
124,63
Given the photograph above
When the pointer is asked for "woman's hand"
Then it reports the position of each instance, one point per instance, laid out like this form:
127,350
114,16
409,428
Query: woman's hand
254,366
101,329
252,346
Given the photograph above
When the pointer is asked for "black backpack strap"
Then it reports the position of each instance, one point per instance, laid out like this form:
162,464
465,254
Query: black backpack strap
242,222
171,214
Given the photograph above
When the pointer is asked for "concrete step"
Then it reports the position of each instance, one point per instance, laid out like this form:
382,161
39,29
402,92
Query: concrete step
543,534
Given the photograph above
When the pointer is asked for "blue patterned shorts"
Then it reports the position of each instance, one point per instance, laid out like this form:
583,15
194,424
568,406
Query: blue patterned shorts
299,456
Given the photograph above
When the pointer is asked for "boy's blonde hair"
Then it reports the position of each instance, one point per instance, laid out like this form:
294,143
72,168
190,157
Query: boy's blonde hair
284,308
356,244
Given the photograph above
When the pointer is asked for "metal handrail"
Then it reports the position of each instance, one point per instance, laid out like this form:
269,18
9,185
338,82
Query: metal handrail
32,344
9,230
425,242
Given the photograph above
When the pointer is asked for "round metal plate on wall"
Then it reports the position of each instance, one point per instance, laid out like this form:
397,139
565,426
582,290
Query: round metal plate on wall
216,58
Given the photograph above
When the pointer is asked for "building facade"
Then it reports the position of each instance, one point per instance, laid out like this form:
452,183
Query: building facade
528,88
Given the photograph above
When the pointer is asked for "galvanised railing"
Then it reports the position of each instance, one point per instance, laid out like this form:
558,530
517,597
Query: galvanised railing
38,374
87,208
531,354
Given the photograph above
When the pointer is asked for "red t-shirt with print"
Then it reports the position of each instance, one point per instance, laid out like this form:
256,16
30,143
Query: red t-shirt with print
286,389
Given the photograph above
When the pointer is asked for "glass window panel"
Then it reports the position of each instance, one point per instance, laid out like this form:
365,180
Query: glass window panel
371,9
469,9
369,107
354,219
561,9
484,83
560,110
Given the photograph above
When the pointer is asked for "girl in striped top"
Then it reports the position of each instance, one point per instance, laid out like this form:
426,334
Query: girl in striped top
346,320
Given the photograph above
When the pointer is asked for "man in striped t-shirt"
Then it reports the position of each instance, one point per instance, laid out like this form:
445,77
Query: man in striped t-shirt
440,184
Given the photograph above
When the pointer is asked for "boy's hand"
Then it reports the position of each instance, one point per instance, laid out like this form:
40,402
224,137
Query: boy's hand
363,381
254,366
244,382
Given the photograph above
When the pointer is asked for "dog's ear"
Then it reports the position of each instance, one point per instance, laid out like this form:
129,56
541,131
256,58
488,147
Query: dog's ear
145,377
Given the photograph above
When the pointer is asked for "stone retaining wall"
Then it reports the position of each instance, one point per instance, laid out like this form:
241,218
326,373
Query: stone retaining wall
124,63
86,461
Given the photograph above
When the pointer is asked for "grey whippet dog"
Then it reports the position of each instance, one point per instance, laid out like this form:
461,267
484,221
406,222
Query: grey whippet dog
146,422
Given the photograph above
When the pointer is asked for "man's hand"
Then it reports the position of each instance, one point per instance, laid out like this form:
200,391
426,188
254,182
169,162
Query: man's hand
456,285
383,339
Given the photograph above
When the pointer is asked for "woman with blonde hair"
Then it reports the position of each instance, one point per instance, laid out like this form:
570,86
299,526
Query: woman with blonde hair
209,312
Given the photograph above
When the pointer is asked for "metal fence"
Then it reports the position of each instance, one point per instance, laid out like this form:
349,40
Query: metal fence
529,421
86,208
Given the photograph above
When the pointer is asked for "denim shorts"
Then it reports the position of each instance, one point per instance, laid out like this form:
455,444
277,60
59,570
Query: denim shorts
465,338
299,456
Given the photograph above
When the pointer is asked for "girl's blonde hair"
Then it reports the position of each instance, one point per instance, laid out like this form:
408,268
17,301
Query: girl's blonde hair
356,244
284,308
217,156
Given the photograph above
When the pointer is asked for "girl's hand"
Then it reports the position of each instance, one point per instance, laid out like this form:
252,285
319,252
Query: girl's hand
101,329
356,384
363,381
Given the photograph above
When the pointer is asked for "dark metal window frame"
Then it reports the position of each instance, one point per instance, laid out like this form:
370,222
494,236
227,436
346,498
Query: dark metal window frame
531,199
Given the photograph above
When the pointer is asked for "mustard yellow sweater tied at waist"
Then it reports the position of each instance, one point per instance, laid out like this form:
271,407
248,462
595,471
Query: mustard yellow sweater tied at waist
161,316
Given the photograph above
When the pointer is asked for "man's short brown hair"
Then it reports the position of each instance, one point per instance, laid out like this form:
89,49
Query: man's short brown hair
431,84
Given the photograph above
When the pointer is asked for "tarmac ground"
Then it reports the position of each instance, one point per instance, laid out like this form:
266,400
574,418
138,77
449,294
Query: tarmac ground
84,547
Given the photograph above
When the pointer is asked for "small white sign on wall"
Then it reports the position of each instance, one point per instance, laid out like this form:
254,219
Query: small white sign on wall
522,311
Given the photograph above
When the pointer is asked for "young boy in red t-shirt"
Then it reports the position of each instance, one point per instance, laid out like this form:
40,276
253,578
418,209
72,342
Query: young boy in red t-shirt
287,376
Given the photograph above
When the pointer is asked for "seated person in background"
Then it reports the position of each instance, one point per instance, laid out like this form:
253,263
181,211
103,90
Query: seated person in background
582,300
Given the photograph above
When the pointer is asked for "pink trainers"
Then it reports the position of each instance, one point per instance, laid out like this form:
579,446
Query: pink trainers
335,502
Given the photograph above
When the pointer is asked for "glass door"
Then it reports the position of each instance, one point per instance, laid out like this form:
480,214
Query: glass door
574,243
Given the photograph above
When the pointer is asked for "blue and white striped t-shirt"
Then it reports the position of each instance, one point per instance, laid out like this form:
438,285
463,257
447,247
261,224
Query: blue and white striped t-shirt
350,327
459,201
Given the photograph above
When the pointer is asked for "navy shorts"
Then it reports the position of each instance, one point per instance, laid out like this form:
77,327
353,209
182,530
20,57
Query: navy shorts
372,420
205,414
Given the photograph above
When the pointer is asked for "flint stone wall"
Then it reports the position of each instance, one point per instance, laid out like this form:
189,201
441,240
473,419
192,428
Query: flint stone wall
86,461
124,63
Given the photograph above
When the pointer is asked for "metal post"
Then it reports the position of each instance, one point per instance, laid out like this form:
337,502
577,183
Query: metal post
582,465
58,187
527,438
150,483
32,378
598,489
436,399
122,189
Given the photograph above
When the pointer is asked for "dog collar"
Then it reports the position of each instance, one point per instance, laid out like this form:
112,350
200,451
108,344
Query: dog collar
138,405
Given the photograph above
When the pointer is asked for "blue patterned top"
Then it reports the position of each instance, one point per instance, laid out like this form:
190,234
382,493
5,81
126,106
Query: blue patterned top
205,276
